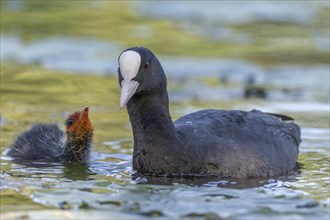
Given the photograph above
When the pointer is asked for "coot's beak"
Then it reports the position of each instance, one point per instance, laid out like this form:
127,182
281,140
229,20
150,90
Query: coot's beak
128,89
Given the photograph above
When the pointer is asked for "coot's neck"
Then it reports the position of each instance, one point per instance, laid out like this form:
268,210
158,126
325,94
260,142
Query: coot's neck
149,115
77,148
156,140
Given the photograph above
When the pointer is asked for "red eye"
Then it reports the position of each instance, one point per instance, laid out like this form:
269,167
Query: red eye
146,65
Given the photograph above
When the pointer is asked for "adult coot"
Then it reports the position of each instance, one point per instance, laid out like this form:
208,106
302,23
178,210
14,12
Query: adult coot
228,143
44,142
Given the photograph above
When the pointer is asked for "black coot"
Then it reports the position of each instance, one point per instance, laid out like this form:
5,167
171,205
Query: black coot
44,142
228,143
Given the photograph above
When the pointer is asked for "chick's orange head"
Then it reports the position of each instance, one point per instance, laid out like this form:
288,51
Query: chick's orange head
79,122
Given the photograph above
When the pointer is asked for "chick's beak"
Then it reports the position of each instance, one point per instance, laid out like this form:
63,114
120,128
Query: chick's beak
128,89
84,113
84,120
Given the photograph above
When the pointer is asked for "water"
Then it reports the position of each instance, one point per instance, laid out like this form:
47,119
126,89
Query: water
105,189
213,18
94,56
63,53
106,185
251,11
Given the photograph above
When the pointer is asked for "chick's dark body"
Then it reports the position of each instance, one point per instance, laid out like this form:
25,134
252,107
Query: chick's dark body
47,143
42,143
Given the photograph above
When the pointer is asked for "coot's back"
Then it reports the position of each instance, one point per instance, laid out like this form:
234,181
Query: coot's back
238,143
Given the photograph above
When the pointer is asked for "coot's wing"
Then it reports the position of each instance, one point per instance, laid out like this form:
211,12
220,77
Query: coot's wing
234,124
241,143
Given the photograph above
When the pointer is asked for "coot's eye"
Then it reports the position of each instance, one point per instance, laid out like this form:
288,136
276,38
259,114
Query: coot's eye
146,65
69,122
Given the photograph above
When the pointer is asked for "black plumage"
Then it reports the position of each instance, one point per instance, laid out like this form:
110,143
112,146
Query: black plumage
46,142
228,143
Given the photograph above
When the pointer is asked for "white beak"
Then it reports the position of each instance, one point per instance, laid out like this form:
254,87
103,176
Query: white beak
128,89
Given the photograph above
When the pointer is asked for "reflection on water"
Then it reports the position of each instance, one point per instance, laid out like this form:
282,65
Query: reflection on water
77,172
180,200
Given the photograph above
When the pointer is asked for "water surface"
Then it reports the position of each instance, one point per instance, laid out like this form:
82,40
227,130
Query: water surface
106,185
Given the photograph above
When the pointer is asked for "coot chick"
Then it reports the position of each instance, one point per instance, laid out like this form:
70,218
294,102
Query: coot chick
44,142
226,143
